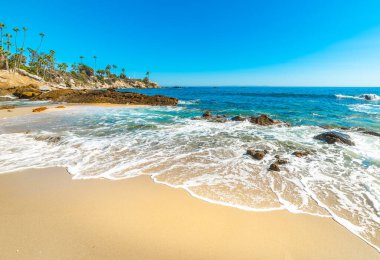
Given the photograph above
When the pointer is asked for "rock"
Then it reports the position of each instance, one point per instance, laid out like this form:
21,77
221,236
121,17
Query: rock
27,92
274,167
60,107
207,114
39,109
238,118
265,120
257,154
372,133
335,137
281,161
106,96
48,138
300,154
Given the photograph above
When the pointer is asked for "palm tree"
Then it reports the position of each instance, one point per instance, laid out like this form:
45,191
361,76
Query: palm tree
2,26
23,44
147,74
8,52
16,30
114,67
108,68
95,62
42,35
81,59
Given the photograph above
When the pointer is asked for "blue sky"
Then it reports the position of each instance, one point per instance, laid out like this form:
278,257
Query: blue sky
257,42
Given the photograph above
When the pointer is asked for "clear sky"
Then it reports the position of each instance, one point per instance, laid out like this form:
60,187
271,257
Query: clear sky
195,42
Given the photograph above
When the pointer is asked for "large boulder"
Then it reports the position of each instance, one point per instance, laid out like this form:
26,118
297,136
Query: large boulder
335,137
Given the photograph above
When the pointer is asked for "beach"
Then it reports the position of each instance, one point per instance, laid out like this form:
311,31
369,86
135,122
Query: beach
45,214
95,181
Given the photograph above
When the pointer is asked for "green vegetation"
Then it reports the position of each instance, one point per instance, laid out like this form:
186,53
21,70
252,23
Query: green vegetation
15,57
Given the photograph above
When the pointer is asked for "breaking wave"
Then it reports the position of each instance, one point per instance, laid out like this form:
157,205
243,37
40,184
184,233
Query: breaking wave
368,97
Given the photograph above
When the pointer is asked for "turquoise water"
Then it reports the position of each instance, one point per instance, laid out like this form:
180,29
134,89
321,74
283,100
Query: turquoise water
311,106
209,159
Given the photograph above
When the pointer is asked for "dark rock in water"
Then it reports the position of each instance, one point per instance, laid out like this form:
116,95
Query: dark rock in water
335,137
372,133
274,167
265,120
106,96
48,138
262,120
257,154
196,118
217,119
238,118
300,154
207,114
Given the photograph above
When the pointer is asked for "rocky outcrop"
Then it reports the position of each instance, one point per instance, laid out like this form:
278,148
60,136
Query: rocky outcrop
335,137
106,96
257,154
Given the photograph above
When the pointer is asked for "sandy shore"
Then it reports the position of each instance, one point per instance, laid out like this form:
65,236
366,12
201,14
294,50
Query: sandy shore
21,111
44,214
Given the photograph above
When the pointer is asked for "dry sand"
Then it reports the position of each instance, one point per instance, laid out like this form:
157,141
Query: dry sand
44,214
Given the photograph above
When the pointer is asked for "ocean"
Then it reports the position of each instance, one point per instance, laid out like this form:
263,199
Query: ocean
209,159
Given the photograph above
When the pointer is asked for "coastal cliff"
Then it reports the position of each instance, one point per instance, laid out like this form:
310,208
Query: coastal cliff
65,80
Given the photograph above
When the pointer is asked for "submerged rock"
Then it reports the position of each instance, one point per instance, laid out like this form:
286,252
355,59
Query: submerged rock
281,161
48,138
300,154
335,137
207,115
371,133
257,154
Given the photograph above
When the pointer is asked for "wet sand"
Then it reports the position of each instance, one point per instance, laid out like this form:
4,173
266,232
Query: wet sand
22,111
44,214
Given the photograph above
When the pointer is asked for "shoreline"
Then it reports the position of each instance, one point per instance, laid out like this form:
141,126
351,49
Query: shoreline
27,110
151,220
